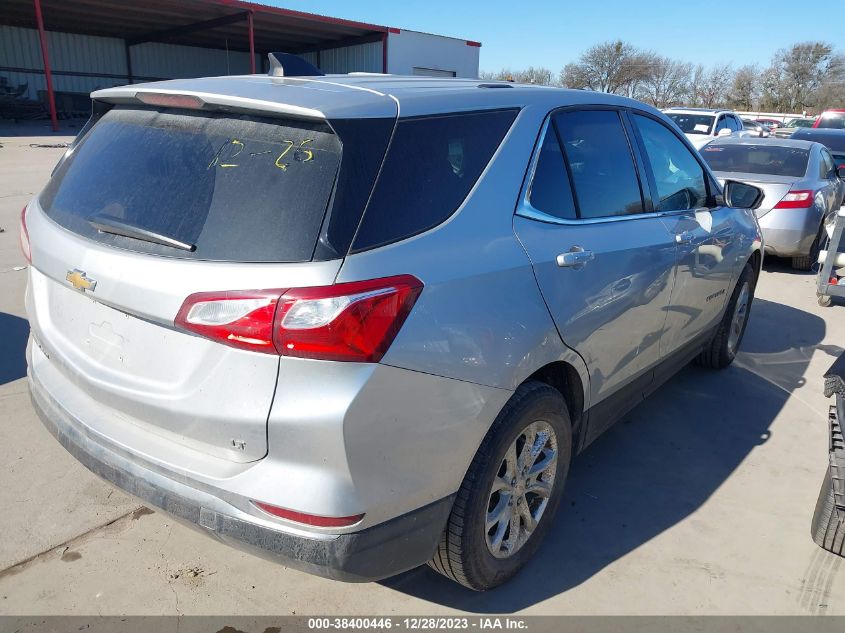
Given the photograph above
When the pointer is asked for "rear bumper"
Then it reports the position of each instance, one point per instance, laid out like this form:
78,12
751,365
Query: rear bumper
790,232
376,552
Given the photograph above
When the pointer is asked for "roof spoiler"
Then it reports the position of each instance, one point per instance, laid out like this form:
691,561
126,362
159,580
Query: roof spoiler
289,65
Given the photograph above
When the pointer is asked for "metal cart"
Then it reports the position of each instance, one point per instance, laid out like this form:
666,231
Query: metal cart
828,527
829,283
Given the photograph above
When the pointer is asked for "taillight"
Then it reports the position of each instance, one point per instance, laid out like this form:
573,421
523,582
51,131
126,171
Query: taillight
354,321
26,249
242,319
309,519
796,200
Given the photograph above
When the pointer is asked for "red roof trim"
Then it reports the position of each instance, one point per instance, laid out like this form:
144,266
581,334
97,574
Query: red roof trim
471,43
263,8
394,30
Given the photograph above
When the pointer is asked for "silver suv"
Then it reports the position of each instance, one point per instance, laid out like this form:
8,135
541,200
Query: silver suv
361,323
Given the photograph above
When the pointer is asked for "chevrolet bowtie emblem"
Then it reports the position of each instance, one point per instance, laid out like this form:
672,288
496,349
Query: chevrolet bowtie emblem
79,280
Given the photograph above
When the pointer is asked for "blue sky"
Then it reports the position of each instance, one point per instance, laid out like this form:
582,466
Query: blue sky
549,33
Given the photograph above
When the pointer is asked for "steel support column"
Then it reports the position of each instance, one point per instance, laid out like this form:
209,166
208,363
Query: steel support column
384,53
251,42
127,47
42,36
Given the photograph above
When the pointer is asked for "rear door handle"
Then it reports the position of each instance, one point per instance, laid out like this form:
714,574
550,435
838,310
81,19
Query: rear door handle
576,258
684,237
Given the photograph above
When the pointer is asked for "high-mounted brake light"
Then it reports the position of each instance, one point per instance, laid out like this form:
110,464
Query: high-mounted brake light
354,321
26,248
170,100
309,519
802,199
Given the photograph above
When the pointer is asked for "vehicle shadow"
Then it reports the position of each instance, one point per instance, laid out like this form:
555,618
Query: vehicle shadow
654,468
12,347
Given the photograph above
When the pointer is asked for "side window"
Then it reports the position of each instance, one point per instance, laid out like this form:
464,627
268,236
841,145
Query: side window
430,167
550,189
722,124
600,161
737,124
828,166
678,176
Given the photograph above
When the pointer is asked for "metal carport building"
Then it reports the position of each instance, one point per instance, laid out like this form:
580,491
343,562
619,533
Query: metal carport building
58,51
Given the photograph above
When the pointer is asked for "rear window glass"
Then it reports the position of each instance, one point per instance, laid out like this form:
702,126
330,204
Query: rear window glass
234,187
551,191
757,159
693,123
835,120
430,167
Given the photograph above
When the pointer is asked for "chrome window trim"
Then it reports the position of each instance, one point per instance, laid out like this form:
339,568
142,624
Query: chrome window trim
525,210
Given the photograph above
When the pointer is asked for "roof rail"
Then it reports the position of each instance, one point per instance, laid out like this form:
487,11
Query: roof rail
289,65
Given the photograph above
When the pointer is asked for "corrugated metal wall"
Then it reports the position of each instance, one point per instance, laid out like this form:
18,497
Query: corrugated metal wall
104,59
358,58
171,61
19,48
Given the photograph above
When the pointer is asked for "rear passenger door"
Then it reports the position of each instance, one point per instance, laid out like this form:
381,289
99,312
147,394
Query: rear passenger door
705,232
602,259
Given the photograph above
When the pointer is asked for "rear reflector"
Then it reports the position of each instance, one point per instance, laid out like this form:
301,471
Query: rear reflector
170,100
796,200
354,321
309,519
26,248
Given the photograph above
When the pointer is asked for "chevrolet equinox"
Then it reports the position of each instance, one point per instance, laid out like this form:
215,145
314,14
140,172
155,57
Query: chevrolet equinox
360,323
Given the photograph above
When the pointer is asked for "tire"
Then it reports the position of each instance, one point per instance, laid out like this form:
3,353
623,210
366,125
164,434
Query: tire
722,348
806,262
828,527
465,553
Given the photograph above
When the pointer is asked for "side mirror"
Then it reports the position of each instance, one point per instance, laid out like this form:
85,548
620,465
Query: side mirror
723,132
740,195
841,172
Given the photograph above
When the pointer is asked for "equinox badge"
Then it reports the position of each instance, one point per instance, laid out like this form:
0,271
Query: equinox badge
79,280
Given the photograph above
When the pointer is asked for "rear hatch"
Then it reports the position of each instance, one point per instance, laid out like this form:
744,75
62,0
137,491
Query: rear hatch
157,204
774,187
772,167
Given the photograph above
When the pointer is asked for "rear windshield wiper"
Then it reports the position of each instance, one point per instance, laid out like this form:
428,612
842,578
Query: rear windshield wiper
116,226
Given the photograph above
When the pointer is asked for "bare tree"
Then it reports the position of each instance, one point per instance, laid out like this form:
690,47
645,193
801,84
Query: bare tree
666,82
744,88
713,87
531,75
808,75
797,74
607,67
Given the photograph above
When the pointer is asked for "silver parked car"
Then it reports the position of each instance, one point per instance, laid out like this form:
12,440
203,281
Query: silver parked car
360,323
801,184
754,128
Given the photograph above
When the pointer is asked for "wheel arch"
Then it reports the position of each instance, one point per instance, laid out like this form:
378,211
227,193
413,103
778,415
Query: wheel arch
756,261
564,377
